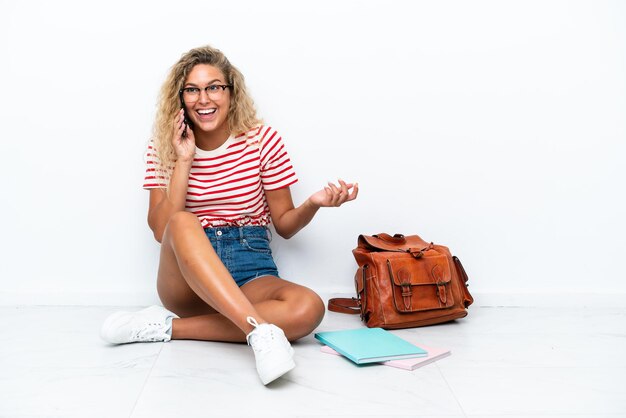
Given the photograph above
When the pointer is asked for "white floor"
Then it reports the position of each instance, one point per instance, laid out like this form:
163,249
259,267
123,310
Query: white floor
505,362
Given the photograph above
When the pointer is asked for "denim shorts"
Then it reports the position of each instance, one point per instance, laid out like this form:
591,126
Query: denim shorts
245,251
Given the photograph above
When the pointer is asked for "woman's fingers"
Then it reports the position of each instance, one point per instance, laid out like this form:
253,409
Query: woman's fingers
178,126
355,192
334,197
182,137
344,194
341,193
333,187
329,195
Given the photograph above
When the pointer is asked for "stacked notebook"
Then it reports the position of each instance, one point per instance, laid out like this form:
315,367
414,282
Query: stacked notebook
375,345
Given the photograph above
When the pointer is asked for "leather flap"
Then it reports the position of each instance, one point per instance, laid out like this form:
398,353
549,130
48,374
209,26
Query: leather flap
432,269
385,242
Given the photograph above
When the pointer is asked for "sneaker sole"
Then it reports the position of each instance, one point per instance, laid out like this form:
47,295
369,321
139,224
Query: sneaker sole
278,371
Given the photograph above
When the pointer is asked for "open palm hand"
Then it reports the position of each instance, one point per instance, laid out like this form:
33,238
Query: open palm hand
335,196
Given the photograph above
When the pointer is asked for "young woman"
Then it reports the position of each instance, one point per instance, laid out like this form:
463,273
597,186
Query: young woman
217,177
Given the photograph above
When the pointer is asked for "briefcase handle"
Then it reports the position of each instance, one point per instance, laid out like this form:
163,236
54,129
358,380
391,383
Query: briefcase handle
396,239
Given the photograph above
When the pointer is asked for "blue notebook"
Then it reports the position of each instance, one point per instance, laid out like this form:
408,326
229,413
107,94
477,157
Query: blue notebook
370,345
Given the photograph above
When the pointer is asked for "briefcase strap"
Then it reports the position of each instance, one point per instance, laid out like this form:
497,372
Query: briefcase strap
345,305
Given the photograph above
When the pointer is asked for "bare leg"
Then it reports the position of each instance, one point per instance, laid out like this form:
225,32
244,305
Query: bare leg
296,309
194,284
188,261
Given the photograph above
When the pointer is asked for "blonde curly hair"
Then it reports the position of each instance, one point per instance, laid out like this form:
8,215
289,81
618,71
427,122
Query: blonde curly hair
241,117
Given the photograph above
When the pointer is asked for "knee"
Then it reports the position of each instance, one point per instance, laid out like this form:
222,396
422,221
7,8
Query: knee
308,313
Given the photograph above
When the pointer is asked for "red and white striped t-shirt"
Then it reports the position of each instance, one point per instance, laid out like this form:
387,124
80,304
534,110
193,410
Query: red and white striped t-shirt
226,185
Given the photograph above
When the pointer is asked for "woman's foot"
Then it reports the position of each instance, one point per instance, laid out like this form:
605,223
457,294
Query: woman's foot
273,353
148,325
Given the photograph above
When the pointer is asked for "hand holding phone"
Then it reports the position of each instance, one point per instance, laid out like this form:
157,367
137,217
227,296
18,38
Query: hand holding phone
184,134
183,139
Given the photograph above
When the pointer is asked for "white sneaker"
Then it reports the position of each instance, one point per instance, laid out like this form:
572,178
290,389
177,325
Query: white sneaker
273,353
149,324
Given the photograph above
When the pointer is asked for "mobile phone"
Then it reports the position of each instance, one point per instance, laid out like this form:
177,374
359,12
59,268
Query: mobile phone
186,120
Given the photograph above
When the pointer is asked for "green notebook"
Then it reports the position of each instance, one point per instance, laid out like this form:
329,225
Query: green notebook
370,345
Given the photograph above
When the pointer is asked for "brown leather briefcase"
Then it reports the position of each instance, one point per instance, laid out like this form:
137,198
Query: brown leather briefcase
404,281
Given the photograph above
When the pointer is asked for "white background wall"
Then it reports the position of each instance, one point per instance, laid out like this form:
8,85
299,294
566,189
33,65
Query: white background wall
495,127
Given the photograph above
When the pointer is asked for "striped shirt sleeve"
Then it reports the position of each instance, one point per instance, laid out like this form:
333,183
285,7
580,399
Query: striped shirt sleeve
152,179
276,169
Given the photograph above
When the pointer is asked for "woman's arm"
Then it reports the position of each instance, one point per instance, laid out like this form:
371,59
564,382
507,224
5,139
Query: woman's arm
163,204
288,220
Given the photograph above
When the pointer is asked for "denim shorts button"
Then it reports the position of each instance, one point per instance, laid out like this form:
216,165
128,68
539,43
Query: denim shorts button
219,233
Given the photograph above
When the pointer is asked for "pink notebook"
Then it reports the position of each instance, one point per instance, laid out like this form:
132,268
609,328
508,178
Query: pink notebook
434,354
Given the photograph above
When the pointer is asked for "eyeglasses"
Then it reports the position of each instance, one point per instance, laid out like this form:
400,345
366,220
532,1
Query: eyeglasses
214,91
